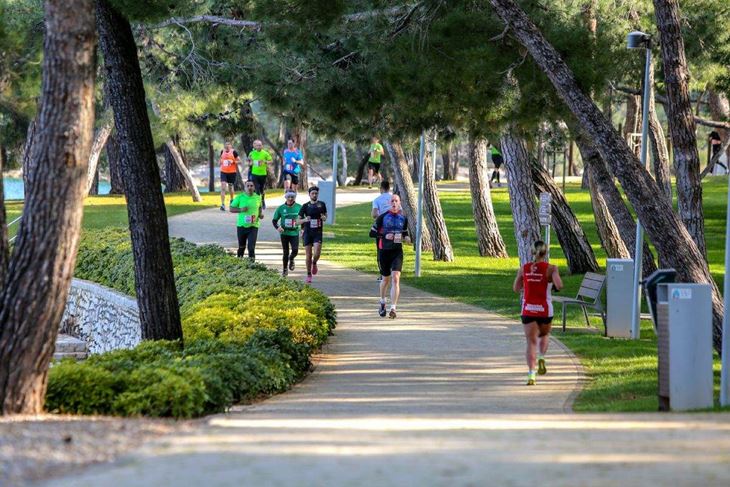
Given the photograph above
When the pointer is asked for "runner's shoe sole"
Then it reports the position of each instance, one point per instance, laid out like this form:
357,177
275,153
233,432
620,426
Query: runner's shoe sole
530,382
392,314
381,310
541,369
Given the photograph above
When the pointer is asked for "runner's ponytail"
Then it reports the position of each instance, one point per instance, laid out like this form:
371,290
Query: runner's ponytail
539,249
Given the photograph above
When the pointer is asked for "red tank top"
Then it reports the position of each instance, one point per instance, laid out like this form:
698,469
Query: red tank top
536,300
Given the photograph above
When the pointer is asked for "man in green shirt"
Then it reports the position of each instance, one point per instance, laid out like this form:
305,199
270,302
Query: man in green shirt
285,222
376,152
259,159
250,213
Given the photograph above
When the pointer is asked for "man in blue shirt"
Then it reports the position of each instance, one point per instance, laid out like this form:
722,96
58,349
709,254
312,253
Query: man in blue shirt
293,160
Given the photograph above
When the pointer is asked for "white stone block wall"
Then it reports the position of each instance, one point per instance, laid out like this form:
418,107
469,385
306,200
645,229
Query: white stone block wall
103,318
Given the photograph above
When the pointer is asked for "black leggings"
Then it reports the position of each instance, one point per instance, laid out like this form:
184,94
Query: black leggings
247,237
286,241
259,183
495,175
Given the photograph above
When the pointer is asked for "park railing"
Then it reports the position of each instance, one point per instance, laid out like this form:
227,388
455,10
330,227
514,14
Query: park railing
11,224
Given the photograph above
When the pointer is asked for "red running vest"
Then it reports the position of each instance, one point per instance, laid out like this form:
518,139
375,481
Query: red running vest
536,300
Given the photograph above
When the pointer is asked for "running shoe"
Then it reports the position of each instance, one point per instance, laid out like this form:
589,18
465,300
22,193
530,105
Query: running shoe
541,369
284,273
291,265
223,208
308,280
379,279
391,315
381,310
314,269
531,379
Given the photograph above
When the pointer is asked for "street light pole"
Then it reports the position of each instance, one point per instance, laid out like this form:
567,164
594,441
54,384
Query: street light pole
419,216
725,349
638,40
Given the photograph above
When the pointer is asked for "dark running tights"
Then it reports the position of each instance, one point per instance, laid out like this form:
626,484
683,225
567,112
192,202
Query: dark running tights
247,237
495,175
286,241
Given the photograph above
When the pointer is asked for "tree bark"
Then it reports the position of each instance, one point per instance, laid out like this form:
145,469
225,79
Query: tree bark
660,153
671,238
342,179
573,241
489,239
28,168
154,279
300,138
446,157
173,179
407,192
211,166
632,122
4,244
720,110
39,275
611,240
94,189
521,193
184,171
434,214
114,157
93,168
681,121
361,169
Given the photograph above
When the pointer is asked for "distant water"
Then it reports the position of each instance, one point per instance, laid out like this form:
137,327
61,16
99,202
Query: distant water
14,188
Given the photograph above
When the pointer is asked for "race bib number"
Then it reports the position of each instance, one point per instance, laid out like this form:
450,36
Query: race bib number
397,237
289,167
314,223
257,163
290,222
250,218
227,163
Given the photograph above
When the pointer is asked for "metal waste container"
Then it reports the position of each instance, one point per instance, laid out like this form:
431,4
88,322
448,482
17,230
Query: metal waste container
619,286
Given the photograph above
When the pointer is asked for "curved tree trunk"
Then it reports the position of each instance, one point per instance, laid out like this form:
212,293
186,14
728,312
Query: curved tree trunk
342,177
611,240
361,169
659,151
114,157
632,122
670,236
489,239
434,215
183,170
93,168
521,194
681,121
28,168
173,179
39,276
407,192
154,279
573,241
720,110
211,166
94,189
4,244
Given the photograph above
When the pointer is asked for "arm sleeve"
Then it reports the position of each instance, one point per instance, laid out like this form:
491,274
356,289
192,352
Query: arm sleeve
235,202
275,219
302,211
235,154
268,156
405,227
374,230
324,206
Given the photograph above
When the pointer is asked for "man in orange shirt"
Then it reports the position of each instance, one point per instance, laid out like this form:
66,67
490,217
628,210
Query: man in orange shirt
229,166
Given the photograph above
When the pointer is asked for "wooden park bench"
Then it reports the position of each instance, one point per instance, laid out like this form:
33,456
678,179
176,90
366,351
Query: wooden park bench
589,296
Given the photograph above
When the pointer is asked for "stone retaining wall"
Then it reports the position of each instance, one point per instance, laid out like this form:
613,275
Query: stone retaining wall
103,318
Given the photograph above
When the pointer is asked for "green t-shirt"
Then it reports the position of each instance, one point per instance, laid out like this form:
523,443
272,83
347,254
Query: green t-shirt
288,216
259,158
495,151
376,151
249,218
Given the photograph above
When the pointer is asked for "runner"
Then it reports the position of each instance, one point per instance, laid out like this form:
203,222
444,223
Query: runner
229,161
250,213
312,216
293,160
259,159
391,230
381,204
285,221
376,152
497,160
537,278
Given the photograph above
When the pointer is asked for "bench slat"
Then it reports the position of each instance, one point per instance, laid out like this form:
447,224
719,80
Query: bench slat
594,277
589,293
591,285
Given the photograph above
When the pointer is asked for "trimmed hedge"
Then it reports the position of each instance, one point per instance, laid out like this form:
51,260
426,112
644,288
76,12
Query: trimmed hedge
248,333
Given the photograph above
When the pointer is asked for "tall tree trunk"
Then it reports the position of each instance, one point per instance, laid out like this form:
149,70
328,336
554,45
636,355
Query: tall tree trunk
611,240
183,170
114,157
614,201
434,215
93,168
361,169
246,148
342,177
489,239
28,168
571,159
521,193
659,151
632,122
39,276
407,192
671,238
173,178
94,189
681,121
300,138
720,110
154,279
573,241
211,166
4,244
446,150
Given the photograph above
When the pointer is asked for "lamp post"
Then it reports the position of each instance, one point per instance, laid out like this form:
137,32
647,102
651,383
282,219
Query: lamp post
419,216
725,348
640,40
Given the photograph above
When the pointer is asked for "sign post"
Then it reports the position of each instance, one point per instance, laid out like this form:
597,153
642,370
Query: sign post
546,217
419,212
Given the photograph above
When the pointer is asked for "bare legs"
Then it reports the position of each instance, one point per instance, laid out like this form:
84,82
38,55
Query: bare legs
226,187
393,280
312,253
538,338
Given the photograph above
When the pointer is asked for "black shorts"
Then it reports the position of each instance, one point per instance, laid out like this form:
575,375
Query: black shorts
259,183
311,237
389,261
540,320
497,160
293,177
228,177
375,166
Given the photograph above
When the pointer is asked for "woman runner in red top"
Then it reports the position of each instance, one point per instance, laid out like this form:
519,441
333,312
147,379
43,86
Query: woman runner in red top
537,279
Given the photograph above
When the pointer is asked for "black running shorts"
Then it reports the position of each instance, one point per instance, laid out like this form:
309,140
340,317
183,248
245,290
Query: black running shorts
390,260
228,177
536,319
375,166
311,237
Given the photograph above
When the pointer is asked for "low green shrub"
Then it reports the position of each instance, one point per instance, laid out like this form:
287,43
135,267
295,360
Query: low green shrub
248,333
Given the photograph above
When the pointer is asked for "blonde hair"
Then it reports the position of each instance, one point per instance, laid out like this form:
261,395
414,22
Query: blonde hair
539,249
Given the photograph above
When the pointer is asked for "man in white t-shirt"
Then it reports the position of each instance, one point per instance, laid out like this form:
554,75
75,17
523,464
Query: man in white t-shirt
381,204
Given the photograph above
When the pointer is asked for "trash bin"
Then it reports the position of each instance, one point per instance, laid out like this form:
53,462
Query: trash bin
660,276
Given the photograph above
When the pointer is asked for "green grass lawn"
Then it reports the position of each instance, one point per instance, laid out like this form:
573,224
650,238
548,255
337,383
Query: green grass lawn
622,372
